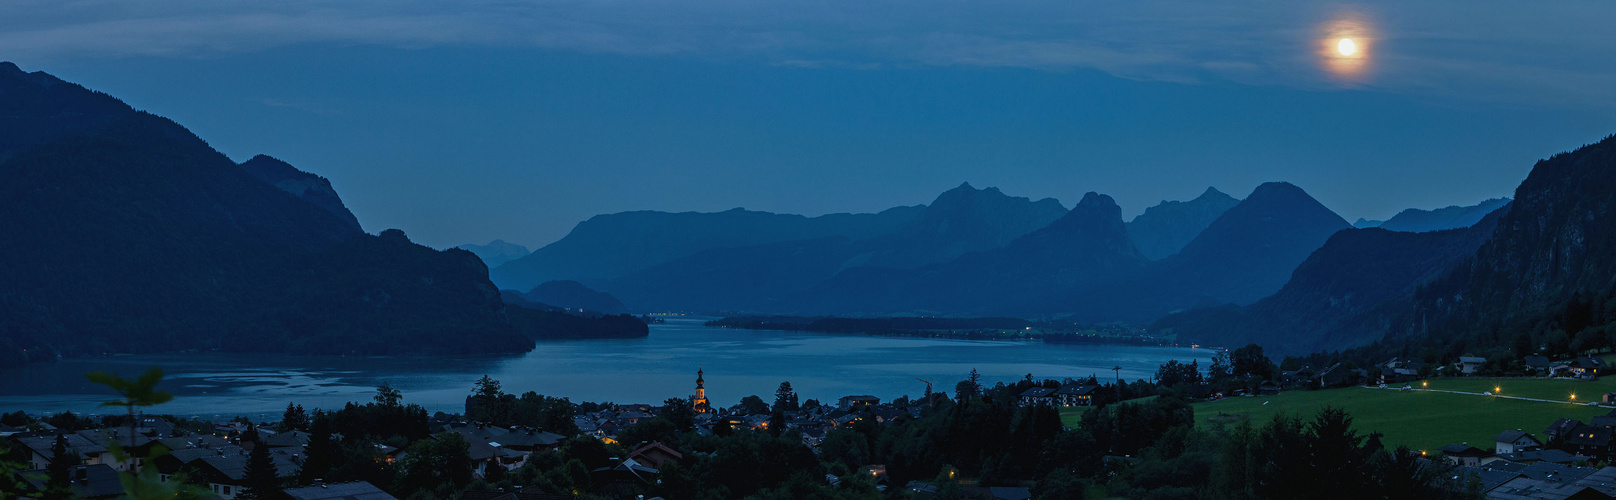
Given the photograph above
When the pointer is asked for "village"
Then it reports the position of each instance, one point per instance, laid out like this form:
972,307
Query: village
1560,461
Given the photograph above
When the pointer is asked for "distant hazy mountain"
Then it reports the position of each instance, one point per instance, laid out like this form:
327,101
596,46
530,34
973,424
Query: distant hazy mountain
574,295
1336,298
1246,254
496,252
311,188
1164,229
960,221
761,277
1415,220
1087,246
1363,223
126,233
1249,252
607,247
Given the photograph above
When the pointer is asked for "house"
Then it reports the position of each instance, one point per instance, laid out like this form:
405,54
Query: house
1590,440
1537,364
1038,396
1075,395
1464,454
357,490
89,482
1335,376
1468,365
91,447
856,402
1562,428
1515,441
1587,367
624,478
1268,389
654,455
223,468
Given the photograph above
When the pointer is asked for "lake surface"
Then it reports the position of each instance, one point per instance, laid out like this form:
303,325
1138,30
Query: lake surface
649,370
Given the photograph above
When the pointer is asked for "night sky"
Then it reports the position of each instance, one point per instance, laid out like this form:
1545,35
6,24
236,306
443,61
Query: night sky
468,121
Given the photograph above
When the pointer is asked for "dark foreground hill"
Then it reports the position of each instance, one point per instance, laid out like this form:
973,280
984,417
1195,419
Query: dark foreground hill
1545,278
126,233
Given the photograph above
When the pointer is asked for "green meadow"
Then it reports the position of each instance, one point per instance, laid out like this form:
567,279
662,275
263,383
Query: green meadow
1422,420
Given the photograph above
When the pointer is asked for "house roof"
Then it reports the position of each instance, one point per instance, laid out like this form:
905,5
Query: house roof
42,445
652,447
1037,392
1076,389
1549,455
1490,478
1463,450
1470,359
1537,361
1602,480
1512,436
1545,471
1562,427
357,490
89,481
1587,362
1522,488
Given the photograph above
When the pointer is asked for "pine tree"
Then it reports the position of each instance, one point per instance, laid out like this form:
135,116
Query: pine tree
261,480
58,485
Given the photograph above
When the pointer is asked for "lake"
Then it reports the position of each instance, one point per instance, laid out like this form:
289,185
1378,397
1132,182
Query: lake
649,370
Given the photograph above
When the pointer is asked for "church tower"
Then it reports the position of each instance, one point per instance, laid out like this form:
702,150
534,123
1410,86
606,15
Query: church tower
699,401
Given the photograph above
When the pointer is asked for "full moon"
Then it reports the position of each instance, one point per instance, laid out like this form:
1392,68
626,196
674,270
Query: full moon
1346,47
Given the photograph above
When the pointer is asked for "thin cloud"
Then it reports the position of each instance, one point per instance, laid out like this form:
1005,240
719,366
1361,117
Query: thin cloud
1495,50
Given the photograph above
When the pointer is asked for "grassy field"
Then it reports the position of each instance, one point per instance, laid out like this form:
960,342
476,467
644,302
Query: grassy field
1073,415
1421,420
1538,388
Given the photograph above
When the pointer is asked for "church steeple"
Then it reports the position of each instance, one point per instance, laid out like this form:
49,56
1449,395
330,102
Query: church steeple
699,401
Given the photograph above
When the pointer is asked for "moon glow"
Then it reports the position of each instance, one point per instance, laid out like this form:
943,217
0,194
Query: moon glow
1346,47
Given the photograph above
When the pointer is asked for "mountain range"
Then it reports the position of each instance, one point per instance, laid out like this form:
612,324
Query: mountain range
126,233
1415,220
496,252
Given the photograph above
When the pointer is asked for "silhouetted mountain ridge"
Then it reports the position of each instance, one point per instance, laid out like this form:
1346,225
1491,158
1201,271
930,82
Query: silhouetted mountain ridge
1164,229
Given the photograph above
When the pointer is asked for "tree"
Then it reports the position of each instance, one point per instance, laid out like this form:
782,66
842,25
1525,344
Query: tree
785,399
1174,373
295,419
58,482
754,405
679,412
261,480
964,391
322,451
1249,360
387,396
445,459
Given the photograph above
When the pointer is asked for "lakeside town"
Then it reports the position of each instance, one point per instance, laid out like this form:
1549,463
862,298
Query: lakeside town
528,447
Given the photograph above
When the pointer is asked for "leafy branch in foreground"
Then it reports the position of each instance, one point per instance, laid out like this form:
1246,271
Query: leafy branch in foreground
138,393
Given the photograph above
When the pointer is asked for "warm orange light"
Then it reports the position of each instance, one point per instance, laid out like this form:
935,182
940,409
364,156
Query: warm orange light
1425,384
